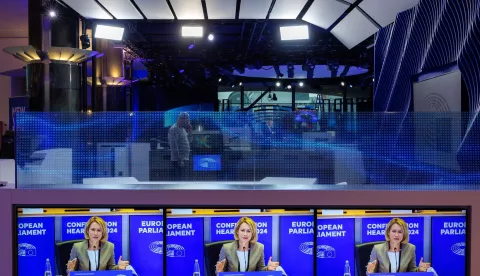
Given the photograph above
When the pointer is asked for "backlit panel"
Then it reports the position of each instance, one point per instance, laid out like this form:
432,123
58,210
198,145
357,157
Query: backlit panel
221,9
287,9
188,9
121,9
384,12
324,13
354,29
88,9
254,9
155,9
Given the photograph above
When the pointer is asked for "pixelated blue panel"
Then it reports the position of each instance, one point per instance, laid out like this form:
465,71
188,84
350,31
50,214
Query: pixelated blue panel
305,148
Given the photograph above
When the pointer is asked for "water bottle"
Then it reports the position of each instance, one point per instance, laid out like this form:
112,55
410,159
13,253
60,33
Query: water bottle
346,271
196,269
48,268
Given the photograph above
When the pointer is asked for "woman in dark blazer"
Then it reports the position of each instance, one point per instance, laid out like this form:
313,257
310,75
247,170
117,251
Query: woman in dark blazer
396,254
245,253
95,252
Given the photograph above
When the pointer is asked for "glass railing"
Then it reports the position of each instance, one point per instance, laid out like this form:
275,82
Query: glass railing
248,150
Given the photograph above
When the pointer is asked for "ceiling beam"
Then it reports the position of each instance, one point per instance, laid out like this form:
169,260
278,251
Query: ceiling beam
171,9
138,9
305,9
347,12
237,10
204,8
105,9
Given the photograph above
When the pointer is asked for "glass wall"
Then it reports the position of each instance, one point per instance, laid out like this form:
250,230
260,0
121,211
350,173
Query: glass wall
262,150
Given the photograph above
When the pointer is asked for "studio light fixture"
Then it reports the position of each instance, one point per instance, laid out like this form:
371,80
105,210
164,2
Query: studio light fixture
109,32
192,31
211,37
294,32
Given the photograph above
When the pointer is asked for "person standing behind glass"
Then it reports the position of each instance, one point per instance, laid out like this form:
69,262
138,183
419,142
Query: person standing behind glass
179,139
396,254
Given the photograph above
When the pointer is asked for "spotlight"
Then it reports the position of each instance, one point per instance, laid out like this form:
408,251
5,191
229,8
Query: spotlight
373,80
191,46
278,84
241,83
85,41
301,84
211,37
52,14
277,71
351,86
289,87
219,79
342,83
291,70
181,71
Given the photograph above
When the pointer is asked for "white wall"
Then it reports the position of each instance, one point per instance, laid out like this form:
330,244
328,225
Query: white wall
7,63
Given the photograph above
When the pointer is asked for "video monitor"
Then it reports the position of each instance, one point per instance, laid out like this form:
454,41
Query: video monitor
290,242
283,237
386,240
132,240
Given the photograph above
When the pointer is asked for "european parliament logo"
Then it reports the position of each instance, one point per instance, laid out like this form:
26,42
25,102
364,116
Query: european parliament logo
156,247
27,250
210,162
323,251
175,251
458,248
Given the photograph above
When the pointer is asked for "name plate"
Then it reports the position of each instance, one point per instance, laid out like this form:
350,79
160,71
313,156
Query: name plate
253,273
102,273
404,274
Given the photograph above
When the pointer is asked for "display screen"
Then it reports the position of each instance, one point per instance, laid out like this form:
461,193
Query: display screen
165,241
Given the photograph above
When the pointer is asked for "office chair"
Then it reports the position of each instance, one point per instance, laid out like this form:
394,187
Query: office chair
212,252
362,256
62,255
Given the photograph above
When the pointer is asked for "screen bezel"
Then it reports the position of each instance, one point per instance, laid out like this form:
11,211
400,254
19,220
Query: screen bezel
15,207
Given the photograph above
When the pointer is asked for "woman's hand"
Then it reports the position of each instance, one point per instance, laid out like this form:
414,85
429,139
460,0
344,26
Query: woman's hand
220,265
422,267
122,265
272,266
71,265
371,266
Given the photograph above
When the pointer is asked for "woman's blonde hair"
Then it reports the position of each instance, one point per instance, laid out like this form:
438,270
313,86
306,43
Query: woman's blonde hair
402,224
102,224
252,225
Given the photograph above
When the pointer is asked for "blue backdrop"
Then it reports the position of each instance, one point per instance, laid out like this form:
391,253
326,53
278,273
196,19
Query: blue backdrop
335,245
448,245
373,229
146,244
73,229
296,245
184,245
36,244
222,229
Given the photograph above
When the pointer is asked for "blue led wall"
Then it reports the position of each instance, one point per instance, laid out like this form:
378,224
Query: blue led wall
356,148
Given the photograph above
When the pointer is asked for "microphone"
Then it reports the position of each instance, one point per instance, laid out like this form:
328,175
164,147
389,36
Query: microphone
96,257
245,257
396,262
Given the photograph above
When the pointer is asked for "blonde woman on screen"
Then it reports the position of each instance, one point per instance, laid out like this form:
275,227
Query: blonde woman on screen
95,252
245,253
396,254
